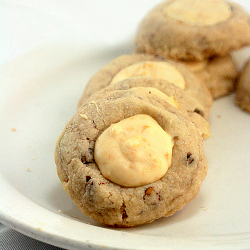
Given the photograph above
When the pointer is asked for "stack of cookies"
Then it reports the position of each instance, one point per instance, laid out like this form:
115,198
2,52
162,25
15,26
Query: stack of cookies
133,152
201,34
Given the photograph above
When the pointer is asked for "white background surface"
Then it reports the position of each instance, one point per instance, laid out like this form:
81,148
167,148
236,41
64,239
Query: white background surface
48,50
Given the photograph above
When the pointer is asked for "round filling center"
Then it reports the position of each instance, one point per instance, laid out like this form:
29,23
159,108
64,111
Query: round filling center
133,152
160,70
199,12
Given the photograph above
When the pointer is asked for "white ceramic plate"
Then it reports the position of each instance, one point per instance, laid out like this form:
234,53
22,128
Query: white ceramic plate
38,95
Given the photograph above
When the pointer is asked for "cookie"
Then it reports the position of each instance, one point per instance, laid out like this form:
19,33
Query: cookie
218,74
242,97
131,65
124,205
166,91
193,29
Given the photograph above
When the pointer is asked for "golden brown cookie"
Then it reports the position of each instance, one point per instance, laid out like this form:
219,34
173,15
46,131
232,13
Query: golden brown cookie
218,74
114,204
189,106
193,29
243,88
143,64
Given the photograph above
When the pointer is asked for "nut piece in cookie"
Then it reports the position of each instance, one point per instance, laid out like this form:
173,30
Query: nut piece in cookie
243,88
111,203
193,29
132,65
218,74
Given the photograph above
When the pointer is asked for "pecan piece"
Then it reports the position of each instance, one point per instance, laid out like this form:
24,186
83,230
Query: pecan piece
190,158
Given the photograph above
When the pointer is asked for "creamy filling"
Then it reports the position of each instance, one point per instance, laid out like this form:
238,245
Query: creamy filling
133,152
160,70
199,12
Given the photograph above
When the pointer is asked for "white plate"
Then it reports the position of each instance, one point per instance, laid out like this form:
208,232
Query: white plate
39,94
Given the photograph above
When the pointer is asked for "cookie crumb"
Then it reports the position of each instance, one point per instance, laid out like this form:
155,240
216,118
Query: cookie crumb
27,169
85,117
39,229
13,129
59,211
204,208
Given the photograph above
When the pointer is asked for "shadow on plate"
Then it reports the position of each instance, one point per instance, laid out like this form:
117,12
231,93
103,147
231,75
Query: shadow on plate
62,204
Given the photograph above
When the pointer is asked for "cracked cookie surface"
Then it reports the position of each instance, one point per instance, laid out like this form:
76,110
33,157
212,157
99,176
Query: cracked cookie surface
113,204
160,33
